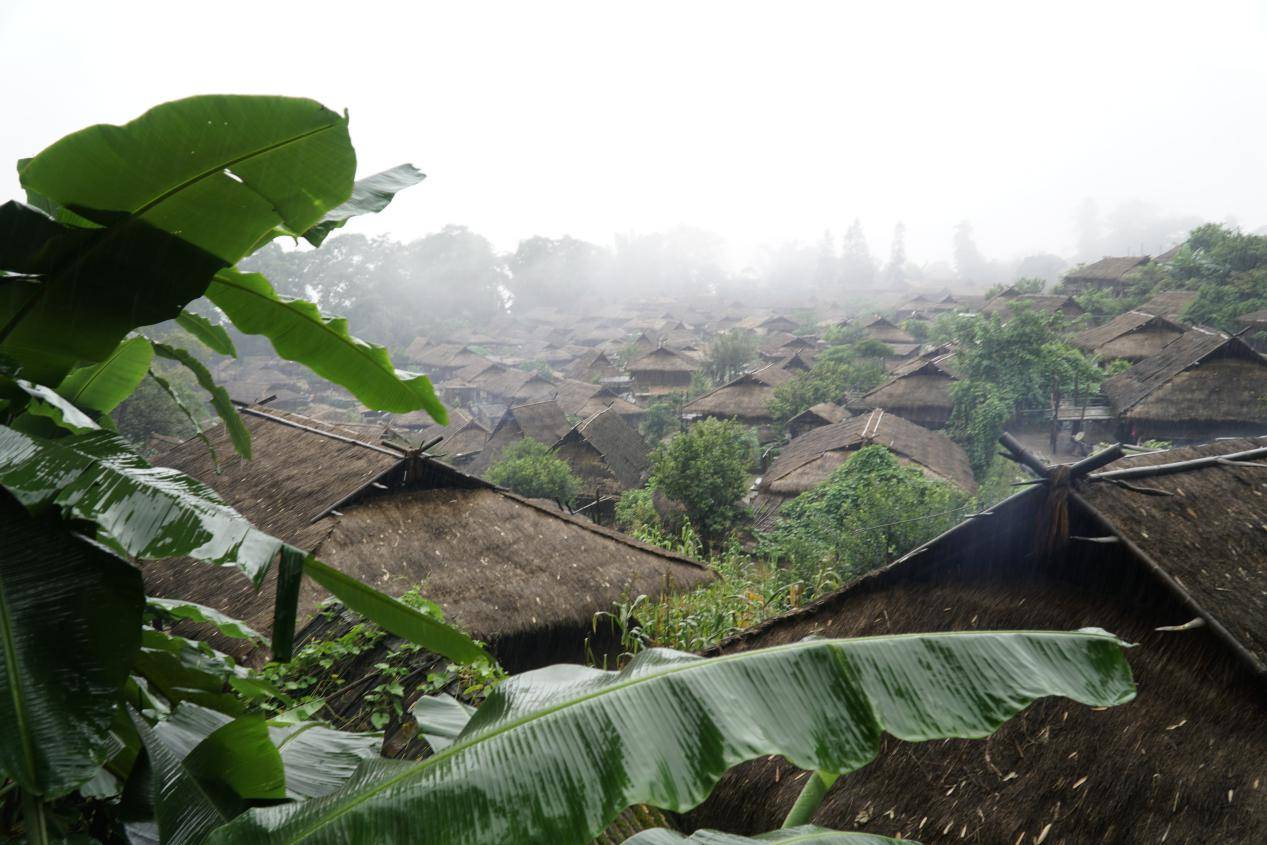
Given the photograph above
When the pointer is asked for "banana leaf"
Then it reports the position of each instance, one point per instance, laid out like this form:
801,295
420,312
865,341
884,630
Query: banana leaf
803,835
220,400
102,386
145,511
554,755
51,405
369,196
219,171
180,609
441,718
70,618
299,332
211,335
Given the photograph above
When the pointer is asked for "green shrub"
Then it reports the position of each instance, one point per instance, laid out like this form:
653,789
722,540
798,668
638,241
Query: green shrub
529,468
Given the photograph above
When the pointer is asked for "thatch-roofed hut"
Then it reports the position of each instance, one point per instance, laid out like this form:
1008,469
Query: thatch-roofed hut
544,422
1174,563
1169,303
1109,273
808,460
501,383
816,416
1131,336
662,370
884,331
1044,303
1201,386
918,391
606,453
592,366
778,323
581,400
443,360
525,578
745,398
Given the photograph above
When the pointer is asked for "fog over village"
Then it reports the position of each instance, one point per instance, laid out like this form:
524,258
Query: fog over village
661,424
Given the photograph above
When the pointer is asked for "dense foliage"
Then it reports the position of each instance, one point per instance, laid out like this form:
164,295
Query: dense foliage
1228,269
705,469
729,354
840,369
530,468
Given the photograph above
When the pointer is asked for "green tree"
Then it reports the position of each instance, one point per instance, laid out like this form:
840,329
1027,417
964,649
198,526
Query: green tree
1228,269
663,417
705,469
729,354
530,468
978,418
838,370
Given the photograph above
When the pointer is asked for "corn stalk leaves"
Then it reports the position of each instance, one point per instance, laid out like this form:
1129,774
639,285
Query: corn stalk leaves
103,386
70,616
424,629
299,332
211,335
803,835
144,511
217,171
554,755
220,401
369,196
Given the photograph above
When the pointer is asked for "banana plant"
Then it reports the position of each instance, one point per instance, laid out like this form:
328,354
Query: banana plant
556,754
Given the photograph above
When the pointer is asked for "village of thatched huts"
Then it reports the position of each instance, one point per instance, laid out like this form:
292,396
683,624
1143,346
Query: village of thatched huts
815,416
525,578
810,459
1130,336
918,390
1202,385
1109,274
660,371
592,366
745,398
544,422
607,454
1165,553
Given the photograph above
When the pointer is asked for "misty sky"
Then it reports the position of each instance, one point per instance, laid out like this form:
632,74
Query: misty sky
760,121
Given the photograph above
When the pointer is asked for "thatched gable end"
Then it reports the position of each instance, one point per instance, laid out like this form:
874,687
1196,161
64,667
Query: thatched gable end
1131,336
746,398
605,449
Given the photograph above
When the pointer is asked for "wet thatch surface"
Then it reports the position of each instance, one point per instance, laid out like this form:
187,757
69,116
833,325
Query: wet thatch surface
1203,377
746,398
884,331
1109,270
1132,336
1182,763
544,422
606,452
918,391
1169,303
1044,303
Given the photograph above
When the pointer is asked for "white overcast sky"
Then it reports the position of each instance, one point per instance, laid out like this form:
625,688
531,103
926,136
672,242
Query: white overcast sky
760,121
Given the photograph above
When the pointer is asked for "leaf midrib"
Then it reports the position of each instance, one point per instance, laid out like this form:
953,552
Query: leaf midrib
436,759
100,369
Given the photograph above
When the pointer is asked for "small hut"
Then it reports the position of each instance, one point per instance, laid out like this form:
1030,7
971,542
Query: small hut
662,370
816,416
1130,336
1172,560
1109,273
781,345
500,383
609,457
1044,303
746,398
886,332
582,400
918,391
443,360
1169,303
592,366
1201,386
526,579
778,323
542,421
810,459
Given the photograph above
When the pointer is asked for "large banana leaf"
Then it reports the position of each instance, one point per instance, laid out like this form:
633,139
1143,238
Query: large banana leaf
238,432
180,609
369,196
102,386
218,171
93,287
299,332
804,835
554,755
70,618
147,512
319,759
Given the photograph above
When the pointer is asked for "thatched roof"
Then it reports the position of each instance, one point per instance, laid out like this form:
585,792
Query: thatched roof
1254,318
918,391
746,397
444,356
1042,302
1188,380
662,360
882,330
808,460
1182,763
1169,303
1131,335
1107,269
824,413
591,365
504,568
614,444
